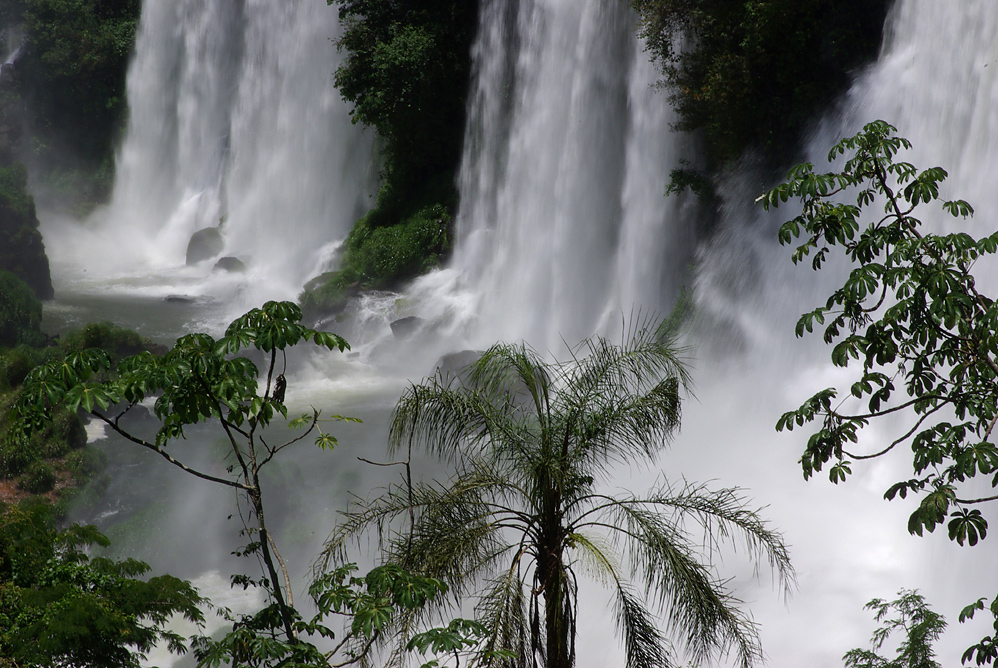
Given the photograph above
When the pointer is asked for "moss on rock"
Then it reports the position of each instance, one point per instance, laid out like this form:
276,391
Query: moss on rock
381,257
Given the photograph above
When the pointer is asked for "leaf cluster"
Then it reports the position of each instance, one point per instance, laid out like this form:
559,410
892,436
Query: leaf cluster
406,72
59,606
909,320
199,379
751,74
368,605
912,617
986,651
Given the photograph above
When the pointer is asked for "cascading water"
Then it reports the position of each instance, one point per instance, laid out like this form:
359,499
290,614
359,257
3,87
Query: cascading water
563,231
563,228
234,120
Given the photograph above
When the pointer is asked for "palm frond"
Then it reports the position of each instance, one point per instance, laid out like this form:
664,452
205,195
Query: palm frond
627,428
597,557
449,421
503,608
699,605
644,644
726,517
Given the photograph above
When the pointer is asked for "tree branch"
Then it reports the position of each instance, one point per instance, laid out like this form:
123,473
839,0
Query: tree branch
170,458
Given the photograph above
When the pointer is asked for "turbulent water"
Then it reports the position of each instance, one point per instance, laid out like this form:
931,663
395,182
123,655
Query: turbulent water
563,231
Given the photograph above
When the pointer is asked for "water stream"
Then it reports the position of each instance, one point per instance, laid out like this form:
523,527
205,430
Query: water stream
563,231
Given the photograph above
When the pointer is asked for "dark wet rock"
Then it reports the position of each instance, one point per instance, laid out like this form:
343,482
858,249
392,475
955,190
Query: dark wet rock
230,264
205,244
404,327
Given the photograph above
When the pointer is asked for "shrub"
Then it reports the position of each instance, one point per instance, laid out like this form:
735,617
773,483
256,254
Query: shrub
381,257
38,478
85,464
15,456
115,340
15,364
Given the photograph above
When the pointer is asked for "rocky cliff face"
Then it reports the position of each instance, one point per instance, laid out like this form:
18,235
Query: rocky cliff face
22,252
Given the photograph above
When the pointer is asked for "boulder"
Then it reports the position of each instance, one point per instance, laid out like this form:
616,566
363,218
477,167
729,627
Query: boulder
205,244
230,264
455,364
404,327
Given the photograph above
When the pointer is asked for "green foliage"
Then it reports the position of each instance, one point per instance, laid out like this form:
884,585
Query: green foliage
59,607
381,257
986,651
85,464
752,73
15,363
920,625
20,313
909,321
521,511
368,604
14,195
206,380
75,71
909,311
38,478
113,339
406,72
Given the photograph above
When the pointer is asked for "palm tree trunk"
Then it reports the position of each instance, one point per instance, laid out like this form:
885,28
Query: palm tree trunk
556,610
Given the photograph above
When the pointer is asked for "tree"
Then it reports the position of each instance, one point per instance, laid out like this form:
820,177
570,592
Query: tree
913,324
204,380
523,513
60,607
77,58
921,627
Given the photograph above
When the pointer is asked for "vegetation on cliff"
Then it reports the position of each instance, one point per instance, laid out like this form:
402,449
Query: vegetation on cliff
22,252
752,74
67,88
406,72
55,460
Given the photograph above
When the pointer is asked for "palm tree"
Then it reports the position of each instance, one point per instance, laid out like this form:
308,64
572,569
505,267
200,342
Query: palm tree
523,513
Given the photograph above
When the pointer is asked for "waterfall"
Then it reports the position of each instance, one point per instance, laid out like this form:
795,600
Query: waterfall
234,119
563,230
563,227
